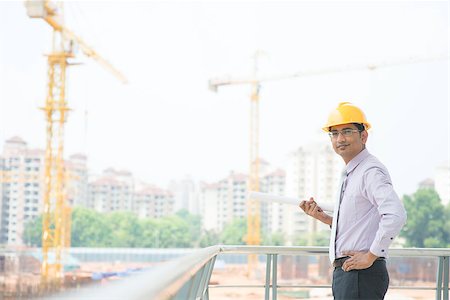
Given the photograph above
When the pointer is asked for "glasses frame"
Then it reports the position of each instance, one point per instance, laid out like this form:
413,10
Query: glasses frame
347,132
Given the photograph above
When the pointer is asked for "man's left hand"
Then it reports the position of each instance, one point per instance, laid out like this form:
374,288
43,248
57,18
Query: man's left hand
358,260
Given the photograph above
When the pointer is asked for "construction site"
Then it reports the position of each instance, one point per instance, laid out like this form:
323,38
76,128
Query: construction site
178,134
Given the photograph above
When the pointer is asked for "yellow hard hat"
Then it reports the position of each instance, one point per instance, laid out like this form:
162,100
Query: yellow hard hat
346,113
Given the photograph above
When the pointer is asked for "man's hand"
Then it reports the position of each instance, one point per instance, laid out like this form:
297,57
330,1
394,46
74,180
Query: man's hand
311,208
358,260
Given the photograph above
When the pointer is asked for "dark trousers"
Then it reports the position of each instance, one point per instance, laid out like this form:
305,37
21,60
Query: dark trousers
370,283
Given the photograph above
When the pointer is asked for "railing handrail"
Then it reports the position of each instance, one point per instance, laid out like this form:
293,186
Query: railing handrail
162,282
166,280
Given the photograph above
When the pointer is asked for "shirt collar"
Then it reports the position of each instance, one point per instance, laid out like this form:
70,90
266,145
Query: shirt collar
356,160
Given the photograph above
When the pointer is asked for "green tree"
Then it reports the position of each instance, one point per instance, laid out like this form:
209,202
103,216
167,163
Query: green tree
149,234
194,223
209,238
273,239
313,239
124,229
33,232
426,224
174,233
89,228
234,232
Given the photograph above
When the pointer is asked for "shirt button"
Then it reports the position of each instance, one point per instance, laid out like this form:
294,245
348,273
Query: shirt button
392,238
382,250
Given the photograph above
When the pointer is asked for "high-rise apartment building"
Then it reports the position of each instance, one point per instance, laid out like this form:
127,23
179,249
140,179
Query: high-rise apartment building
274,183
312,171
153,202
21,188
112,191
77,183
223,201
186,195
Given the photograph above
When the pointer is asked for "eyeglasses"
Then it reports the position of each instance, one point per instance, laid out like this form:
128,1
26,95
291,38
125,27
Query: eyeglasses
345,132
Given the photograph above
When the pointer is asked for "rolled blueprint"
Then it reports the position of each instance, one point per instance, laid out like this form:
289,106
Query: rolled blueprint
328,207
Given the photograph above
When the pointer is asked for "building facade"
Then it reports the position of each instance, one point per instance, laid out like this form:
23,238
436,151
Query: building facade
111,191
153,202
311,171
21,188
223,201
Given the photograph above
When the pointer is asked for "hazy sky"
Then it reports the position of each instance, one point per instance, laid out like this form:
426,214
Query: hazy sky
166,124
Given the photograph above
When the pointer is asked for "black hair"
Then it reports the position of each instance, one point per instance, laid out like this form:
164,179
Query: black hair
359,126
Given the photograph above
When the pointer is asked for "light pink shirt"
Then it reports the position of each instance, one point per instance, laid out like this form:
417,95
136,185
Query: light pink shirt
370,215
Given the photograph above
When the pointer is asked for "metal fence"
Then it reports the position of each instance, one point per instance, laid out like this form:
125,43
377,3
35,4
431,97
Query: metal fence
188,277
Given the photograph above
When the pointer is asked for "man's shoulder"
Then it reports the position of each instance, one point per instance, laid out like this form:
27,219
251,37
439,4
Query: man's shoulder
372,163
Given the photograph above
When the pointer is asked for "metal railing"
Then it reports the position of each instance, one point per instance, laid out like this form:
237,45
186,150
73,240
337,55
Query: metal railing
188,277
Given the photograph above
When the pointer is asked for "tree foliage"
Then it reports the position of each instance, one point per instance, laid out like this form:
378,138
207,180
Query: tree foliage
234,233
428,220
314,239
124,229
33,232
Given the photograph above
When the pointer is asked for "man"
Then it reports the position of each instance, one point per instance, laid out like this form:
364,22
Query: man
367,215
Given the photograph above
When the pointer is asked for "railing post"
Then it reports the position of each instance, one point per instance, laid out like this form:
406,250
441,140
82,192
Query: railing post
196,281
268,263
274,277
446,265
203,290
439,278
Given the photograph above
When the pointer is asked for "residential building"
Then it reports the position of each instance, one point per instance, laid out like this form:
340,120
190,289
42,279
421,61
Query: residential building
153,202
186,195
21,189
223,201
112,191
274,183
311,171
77,183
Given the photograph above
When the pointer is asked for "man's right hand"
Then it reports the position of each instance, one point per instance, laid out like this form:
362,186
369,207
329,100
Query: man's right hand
311,208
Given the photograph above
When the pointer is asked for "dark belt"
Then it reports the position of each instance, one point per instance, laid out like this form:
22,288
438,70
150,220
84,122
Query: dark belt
338,262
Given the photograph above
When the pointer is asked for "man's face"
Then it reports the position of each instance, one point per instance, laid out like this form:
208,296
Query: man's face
348,146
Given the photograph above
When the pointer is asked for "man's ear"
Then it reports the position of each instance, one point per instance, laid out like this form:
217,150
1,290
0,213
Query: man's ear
364,136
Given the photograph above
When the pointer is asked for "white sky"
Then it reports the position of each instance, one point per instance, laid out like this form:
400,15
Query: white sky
166,124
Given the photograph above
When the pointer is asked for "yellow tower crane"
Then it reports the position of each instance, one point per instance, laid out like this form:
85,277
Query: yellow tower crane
253,207
56,211
253,236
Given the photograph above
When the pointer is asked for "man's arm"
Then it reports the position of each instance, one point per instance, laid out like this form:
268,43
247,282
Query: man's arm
379,191
311,208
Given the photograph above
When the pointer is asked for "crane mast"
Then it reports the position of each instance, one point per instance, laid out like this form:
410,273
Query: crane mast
253,236
55,227
56,223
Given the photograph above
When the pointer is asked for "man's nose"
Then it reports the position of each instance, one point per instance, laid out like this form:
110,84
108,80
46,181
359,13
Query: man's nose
340,137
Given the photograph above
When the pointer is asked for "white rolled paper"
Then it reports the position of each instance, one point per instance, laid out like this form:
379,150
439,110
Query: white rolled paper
328,207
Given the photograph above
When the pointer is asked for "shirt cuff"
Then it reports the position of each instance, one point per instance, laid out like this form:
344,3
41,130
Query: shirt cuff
379,250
